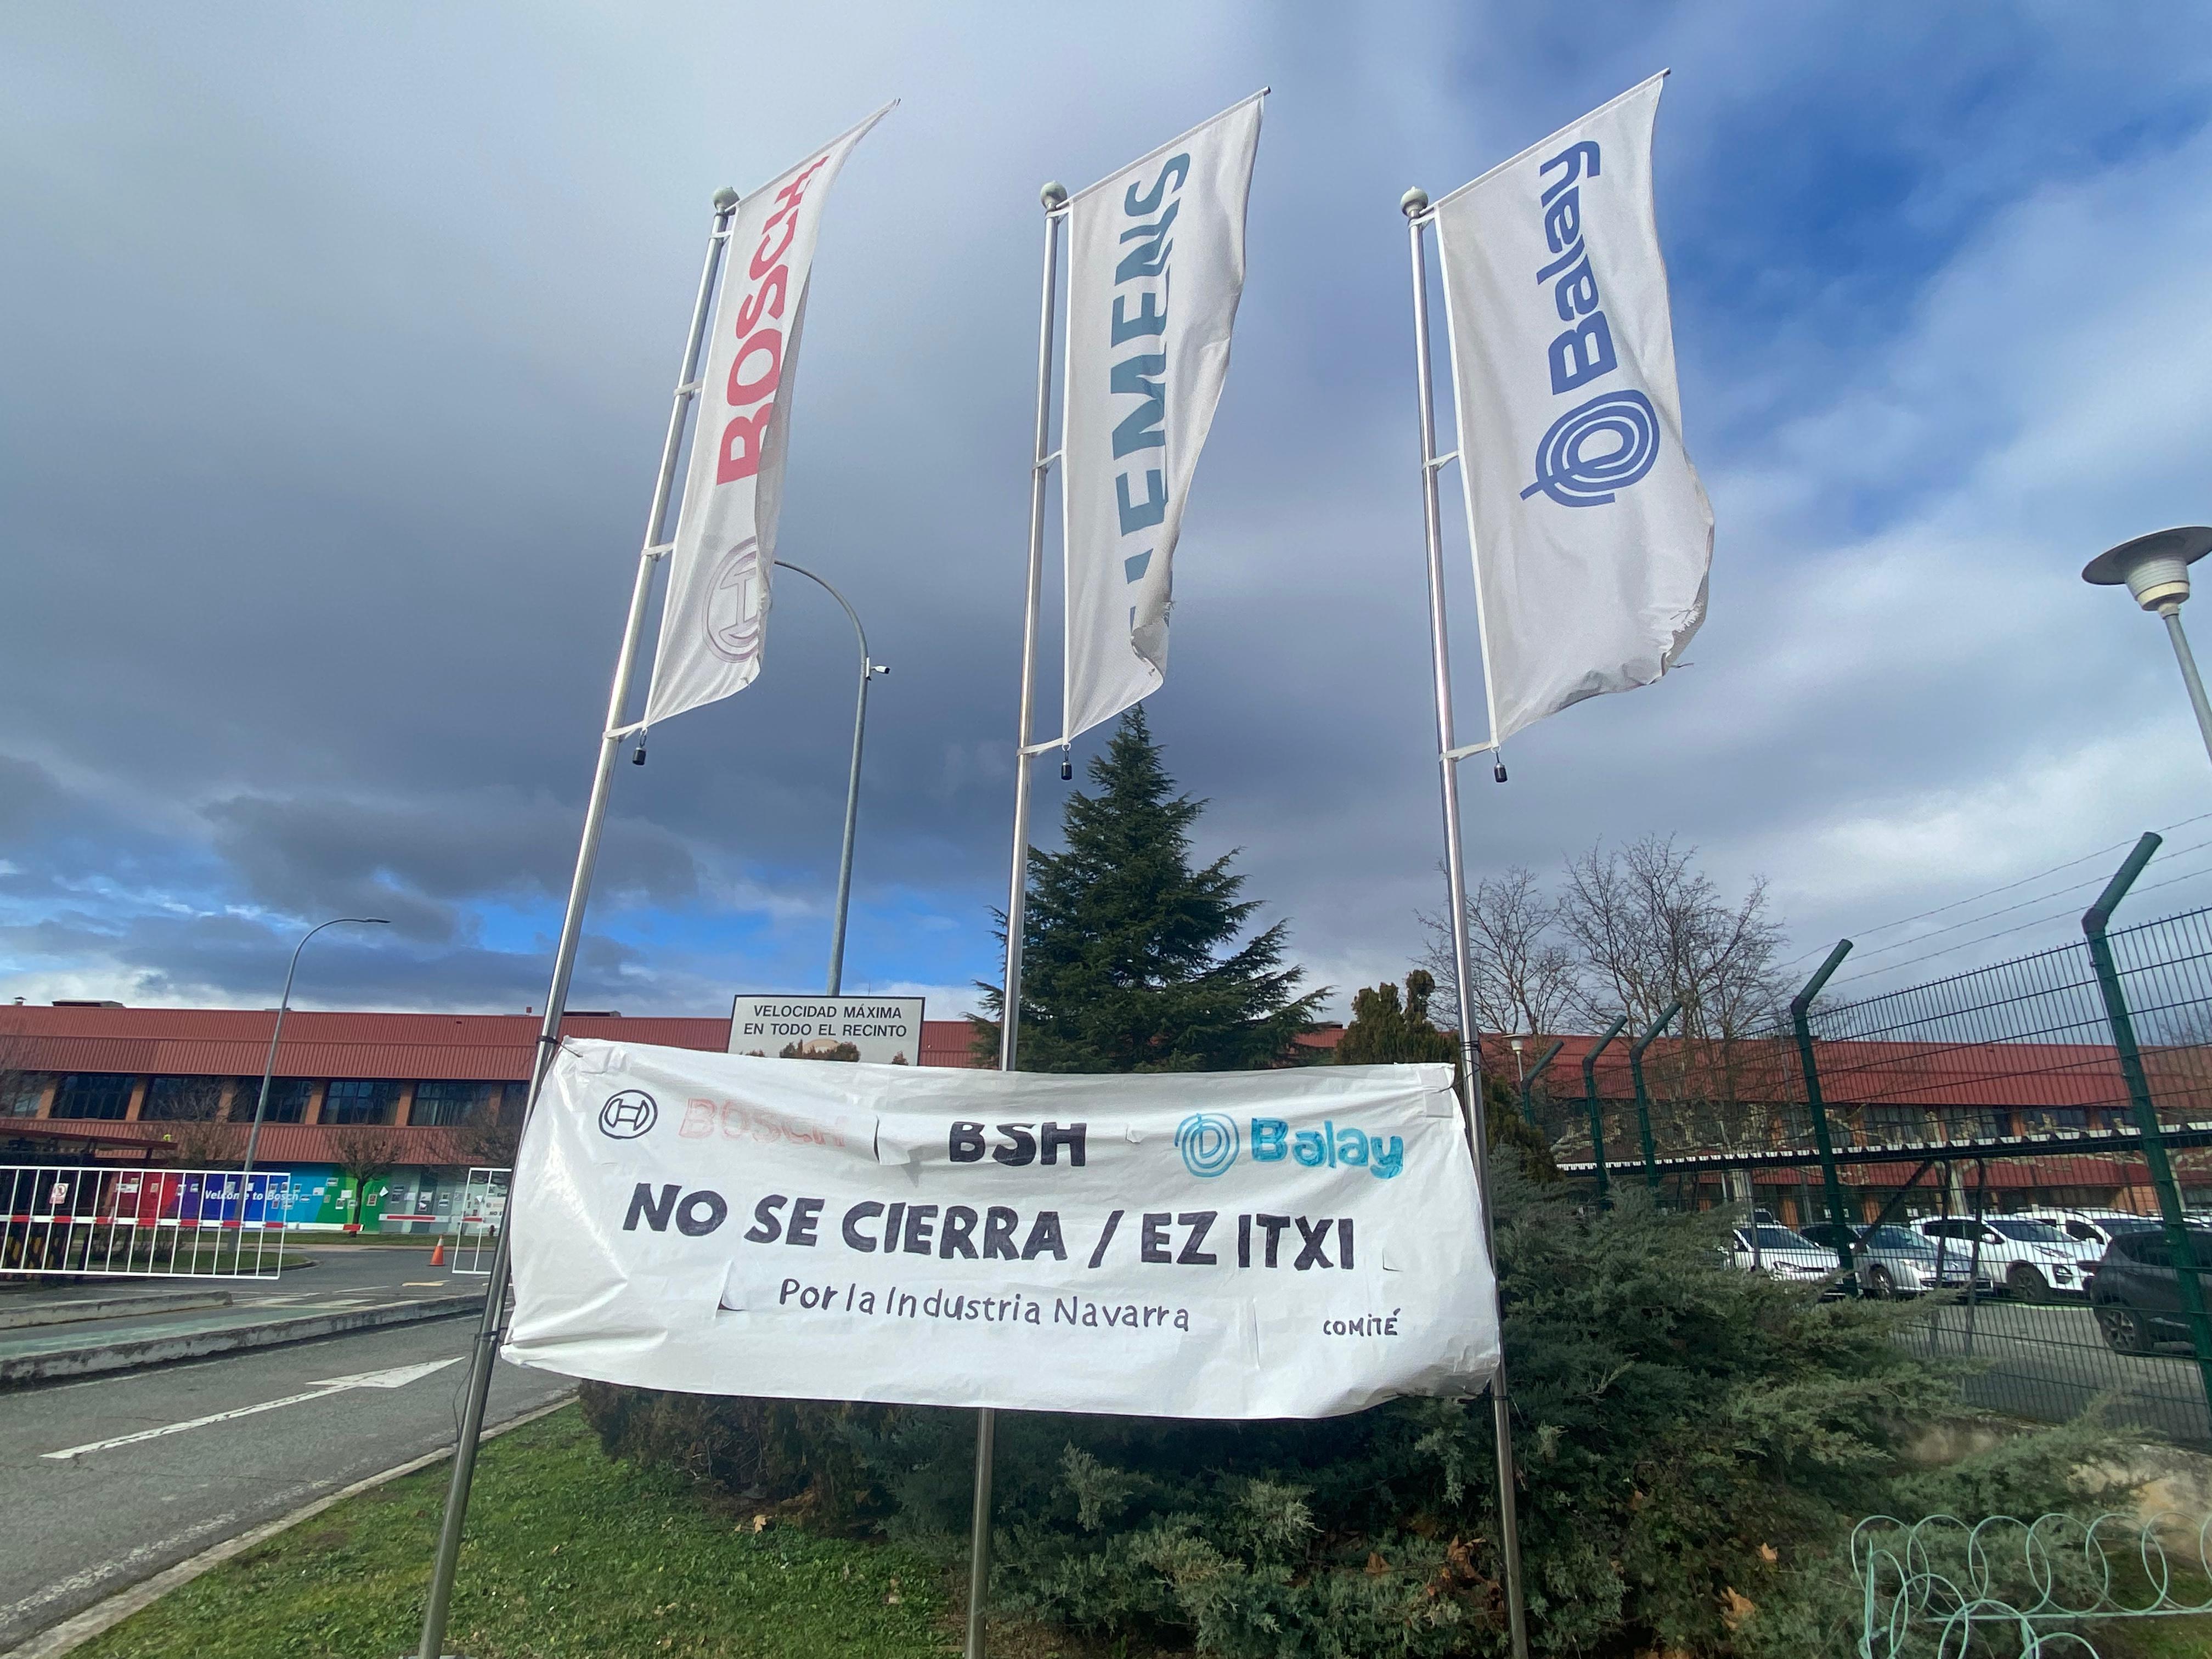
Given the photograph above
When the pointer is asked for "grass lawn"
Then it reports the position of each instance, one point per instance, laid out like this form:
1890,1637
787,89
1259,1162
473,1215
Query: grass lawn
569,1556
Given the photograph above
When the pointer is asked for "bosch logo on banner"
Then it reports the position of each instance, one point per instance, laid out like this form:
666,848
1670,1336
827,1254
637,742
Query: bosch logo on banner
1609,442
628,1115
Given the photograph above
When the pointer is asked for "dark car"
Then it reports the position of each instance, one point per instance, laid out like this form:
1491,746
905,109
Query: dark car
2136,1293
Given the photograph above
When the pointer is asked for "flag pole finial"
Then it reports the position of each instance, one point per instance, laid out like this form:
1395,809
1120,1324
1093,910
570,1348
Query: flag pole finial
1053,195
724,199
1413,203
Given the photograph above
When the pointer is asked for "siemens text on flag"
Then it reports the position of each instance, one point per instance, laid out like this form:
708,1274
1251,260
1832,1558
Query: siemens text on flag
1156,266
1592,534
1299,1242
724,547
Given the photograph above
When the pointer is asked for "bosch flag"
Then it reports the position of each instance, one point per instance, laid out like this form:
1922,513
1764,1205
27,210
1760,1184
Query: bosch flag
1290,1243
725,543
1156,267
1592,535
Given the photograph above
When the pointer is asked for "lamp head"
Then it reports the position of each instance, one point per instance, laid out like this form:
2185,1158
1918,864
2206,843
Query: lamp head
2155,567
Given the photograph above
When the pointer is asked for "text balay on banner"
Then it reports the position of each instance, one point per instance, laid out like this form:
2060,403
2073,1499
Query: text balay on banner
1290,1244
723,549
1592,534
1156,267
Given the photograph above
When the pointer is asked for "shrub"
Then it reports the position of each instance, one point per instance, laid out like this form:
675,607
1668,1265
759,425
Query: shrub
1695,1445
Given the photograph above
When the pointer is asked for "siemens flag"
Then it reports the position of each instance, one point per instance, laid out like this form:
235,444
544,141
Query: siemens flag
1156,266
1592,535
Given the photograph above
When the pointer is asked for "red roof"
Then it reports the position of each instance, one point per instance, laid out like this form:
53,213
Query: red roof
408,1048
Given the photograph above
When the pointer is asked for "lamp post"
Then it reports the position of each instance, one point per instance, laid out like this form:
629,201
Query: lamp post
2155,568
869,670
269,1067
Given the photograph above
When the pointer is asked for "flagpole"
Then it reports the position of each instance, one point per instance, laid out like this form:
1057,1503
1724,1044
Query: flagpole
1415,206
1054,197
491,1325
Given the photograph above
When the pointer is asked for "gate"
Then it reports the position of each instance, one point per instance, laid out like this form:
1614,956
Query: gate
478,1218
99,1221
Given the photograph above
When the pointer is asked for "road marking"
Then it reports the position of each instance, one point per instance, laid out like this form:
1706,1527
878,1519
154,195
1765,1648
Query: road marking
398,1378
421,1283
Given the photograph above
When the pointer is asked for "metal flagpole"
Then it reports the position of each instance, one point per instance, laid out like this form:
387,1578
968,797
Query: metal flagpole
492,1325
869,669
1054,198
1415,205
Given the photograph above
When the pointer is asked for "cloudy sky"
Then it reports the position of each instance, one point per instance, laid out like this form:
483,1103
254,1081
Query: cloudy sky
340,344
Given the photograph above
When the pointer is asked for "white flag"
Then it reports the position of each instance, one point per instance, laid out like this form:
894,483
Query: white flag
1155,266
1592,535
725,543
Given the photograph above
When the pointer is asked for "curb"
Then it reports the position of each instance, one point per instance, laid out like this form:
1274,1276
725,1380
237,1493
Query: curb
71,1313
103,1616
162,1350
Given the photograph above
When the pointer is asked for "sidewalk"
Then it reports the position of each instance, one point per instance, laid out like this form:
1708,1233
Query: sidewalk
133,1335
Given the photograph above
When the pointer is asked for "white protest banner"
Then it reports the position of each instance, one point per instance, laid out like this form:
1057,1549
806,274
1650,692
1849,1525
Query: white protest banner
1156,266
1592,535
887,1030
724,549
1290,1243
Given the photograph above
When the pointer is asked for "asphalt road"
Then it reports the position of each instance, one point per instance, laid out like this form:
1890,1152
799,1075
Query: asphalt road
360,1269
82,1527
2049,1363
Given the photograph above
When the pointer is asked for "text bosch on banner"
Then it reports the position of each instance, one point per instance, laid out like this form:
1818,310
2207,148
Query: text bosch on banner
1290,1244
723,549
1156,268
1592,534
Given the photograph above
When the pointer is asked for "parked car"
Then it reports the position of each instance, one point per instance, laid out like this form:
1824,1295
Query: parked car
1898,1262
2137,1294
2094,1228
1781,1251
2032,1259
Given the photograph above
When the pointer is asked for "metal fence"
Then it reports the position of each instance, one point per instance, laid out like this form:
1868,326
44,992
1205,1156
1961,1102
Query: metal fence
102,1221
2073,1086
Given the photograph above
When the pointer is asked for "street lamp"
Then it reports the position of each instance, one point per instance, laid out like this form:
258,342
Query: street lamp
869,670
269,1067
2155,568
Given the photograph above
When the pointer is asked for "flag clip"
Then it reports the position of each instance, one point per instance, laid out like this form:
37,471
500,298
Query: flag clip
1067,765
638,758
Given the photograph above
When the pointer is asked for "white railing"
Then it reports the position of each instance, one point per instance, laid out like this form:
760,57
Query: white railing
477,1218
111,1222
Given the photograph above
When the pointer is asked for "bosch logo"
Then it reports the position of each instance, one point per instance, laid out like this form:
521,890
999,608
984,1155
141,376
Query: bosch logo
628,1115
1207,1142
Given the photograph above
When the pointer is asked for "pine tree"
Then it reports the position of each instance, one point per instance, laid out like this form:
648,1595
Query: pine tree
1384,1032
1129,960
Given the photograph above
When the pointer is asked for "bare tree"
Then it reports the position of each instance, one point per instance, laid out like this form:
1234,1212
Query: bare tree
1525,977
190,1110
364,1152
1651,928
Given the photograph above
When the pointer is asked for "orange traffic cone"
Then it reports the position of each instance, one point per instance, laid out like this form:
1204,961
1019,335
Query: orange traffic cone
438,1256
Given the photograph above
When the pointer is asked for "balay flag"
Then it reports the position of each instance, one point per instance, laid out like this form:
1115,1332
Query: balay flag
1592,535
724,547
1156,266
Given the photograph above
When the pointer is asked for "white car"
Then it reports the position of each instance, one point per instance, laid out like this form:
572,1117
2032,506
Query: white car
1783,1252
2032,1259
2096,1229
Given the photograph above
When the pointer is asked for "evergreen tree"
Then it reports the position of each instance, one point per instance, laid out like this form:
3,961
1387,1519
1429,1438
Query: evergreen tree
1129,957
1385,1031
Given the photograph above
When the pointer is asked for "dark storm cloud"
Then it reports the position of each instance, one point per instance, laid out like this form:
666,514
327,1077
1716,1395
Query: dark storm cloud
327,460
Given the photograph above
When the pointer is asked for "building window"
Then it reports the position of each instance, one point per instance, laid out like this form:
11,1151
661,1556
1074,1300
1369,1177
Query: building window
288,1099
360,1100
20,1092
182,1099
93,1094
441,1105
